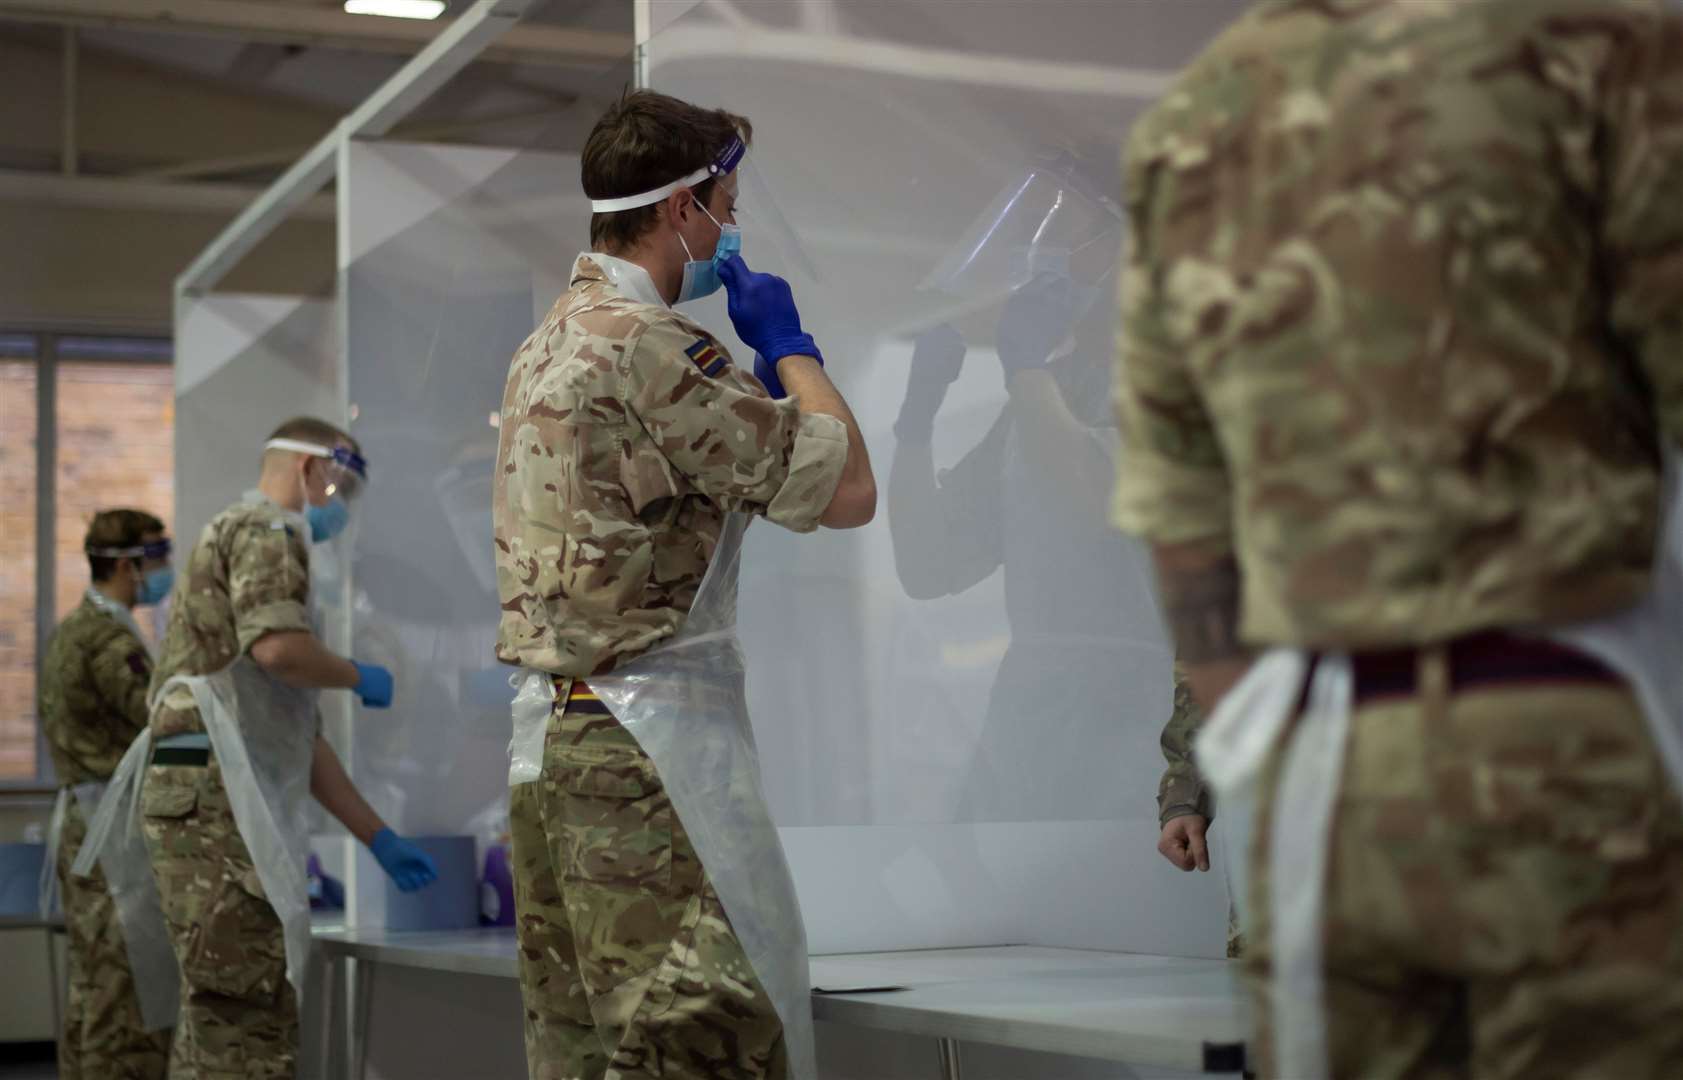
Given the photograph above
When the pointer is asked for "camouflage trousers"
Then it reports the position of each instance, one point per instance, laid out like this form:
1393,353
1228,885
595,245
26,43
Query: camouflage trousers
629,968
239,1015
103,1037
1504,892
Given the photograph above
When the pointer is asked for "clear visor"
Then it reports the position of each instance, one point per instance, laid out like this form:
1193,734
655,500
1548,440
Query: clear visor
346,470
343,482
769,241
1044,223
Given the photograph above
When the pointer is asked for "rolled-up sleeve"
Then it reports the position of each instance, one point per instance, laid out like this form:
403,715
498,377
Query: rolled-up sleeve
1172,483
718,427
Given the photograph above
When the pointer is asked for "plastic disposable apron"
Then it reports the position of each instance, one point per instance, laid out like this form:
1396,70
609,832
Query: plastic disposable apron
123,859
1641,643
262,733
684,701
87,796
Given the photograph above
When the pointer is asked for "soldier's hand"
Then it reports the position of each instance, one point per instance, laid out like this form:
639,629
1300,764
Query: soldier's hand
937,359
374,685
762,308
1182,842
407,865
1034,320
938,355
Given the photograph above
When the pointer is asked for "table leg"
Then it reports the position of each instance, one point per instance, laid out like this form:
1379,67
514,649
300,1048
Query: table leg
58,992
362,996
335,1039
950,1067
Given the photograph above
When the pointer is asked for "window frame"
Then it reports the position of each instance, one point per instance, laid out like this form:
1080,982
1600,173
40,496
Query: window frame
47,339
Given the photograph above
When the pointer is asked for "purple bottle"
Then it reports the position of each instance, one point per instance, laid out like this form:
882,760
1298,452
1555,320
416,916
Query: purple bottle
326,893
496,888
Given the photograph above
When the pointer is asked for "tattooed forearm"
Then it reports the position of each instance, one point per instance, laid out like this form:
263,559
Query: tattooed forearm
1201,602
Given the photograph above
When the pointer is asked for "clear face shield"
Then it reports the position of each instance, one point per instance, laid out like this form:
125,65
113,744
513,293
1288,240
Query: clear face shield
344,471
1046,249
1049,224
767,227
761,232
332,529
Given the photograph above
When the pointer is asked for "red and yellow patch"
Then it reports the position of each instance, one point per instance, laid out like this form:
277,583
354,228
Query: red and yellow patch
707,357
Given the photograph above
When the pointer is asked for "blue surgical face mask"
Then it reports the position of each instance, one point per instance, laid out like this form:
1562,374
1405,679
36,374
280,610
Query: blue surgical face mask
328,521
155,586
701,276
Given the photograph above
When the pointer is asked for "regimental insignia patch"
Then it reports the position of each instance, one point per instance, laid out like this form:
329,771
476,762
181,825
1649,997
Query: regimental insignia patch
707,357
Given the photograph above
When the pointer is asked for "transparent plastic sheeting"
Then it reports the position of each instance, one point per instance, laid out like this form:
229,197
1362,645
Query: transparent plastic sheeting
244,364
456,253
988,650
958,707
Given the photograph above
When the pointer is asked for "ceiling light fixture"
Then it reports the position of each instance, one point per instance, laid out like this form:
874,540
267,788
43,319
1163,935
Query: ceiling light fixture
396,9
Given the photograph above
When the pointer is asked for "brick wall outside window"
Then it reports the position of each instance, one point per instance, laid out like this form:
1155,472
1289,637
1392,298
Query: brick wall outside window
115,424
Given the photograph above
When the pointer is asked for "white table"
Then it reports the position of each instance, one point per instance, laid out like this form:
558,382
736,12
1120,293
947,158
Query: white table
1146,1011
1161,1011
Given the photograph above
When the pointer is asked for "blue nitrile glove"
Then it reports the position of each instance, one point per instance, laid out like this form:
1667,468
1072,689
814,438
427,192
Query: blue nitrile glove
766,372
762,308
937,359
407,865
373,685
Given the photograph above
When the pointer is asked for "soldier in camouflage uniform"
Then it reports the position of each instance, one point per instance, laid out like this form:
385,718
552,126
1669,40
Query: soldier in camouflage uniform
246,592
1401,331
627,435
92,704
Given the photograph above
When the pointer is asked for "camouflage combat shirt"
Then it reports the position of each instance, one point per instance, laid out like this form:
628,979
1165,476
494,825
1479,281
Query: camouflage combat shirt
1403,311
92,697
627,434
248,576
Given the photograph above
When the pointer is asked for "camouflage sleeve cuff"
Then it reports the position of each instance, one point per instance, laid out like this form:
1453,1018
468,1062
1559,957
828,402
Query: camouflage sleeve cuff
1168,503
1180,797
816,460
280,616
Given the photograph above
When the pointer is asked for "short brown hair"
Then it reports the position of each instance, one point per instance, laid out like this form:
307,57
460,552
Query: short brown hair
117,529
309,429
644,141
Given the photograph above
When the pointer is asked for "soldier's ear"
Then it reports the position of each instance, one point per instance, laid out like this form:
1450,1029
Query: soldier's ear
678,204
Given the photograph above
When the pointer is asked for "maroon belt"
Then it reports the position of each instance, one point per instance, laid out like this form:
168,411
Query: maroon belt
1483,659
